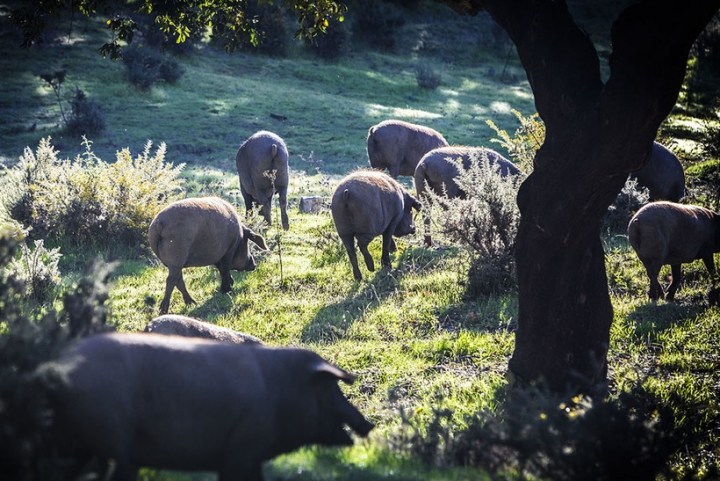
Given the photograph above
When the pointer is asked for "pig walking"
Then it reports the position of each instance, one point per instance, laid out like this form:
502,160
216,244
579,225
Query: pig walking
171,402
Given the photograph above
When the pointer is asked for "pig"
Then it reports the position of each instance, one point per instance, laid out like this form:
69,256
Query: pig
170,402
662,176
201,232
176,325
437,173
366,204
668,233
263,155
398,146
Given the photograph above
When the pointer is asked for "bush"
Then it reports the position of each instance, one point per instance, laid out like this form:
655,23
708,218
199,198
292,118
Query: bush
274,30
89,201
28,338
628,201
147,66
375,23
540,435
38,268
526,141
484,222
427,77
333,44
86,116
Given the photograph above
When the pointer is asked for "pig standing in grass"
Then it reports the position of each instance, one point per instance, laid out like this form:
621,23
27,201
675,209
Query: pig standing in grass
398,146
201,232
178,403
667,233
262,165
437,172
367,204
176,325
663,175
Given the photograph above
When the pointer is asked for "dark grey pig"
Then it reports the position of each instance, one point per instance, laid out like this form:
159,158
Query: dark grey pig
668,233
262,165
176,325
205,231
663,175
398,146
367,204
437,172
179,403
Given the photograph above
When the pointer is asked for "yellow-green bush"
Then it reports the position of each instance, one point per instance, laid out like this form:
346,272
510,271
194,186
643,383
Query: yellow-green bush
88,200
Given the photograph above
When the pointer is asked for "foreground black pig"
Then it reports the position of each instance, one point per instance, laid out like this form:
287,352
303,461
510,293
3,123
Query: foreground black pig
179,403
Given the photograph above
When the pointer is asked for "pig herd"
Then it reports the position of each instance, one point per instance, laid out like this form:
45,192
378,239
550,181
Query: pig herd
189,395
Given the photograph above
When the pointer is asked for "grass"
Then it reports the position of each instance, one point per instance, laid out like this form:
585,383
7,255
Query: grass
409,333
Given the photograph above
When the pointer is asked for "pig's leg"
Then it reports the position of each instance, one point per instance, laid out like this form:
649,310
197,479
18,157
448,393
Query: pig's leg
349,243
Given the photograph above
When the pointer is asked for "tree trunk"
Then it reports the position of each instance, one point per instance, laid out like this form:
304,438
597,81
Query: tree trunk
596,133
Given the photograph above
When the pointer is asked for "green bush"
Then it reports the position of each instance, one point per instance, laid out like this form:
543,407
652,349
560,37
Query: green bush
540,435
525,142
86,117
146,66
333,44
38,268
628,201
427,77
28,338
86,200
375,23
484,222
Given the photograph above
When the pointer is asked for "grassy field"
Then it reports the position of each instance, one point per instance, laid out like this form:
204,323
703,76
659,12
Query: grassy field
411,334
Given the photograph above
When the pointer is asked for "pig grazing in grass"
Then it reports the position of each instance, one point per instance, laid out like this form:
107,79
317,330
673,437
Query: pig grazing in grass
663,175
367,204
262,165
668,233
176,325
398,146
436,172
171,402
201,232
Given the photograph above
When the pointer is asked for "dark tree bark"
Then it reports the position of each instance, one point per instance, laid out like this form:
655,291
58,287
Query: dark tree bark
596,133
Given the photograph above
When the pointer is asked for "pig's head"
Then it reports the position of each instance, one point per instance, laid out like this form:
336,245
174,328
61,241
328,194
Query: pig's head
407,225
334,410
243,260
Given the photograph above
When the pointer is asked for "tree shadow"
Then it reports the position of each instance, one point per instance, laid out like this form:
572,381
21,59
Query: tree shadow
333,321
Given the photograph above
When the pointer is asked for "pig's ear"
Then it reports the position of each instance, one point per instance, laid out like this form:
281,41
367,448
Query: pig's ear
417,205
256,238
327,368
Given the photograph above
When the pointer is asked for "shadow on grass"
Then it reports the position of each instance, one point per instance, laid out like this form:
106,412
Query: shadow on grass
652,319
333,321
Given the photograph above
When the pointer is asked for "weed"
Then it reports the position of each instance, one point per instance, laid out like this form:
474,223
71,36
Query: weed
427,77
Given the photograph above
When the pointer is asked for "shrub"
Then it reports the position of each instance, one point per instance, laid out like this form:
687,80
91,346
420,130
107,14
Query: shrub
28,338
628,201
87,200
86,116
484,223
38,268
333,44
540,435
427,77
526,141
375,23
274,30
147,66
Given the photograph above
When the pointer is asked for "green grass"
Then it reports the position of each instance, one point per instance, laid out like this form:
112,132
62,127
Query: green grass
409,333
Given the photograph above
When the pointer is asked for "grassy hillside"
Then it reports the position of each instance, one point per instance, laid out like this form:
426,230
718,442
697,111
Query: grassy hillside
417,343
